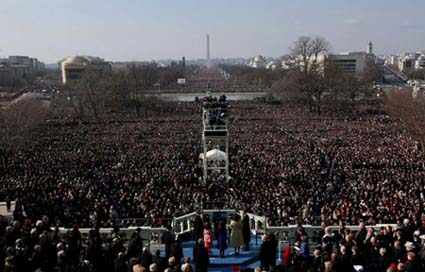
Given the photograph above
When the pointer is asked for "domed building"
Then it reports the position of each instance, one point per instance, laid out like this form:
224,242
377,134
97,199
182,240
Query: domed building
258,62
74,68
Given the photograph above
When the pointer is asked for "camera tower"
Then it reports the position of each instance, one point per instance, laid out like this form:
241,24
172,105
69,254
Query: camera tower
215,138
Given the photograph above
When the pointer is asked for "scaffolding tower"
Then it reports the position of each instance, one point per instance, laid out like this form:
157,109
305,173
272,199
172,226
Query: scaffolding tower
215,137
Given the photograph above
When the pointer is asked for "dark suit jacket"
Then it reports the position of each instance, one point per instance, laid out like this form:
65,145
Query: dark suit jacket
201,258
246,230
198,227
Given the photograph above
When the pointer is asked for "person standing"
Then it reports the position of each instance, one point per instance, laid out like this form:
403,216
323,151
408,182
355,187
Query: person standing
187,266
236,239
222,238
246,231
201,258
135,245
208,237
268,252
305,251
8,203
119,263
177,251
168,239
198,226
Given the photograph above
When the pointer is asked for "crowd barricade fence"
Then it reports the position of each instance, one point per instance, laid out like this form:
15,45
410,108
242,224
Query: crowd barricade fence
183,225
149,234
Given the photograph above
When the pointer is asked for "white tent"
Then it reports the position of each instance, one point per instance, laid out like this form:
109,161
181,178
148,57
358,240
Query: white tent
216,155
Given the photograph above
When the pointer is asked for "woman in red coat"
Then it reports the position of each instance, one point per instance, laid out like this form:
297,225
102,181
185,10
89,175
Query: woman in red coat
208,237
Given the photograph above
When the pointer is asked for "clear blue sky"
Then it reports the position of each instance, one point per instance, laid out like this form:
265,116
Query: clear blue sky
159,29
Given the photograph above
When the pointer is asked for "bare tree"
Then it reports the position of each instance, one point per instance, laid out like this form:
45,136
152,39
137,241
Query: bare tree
305,52
304,56
136,85
356,89
120,91
317,87
287,89
16,124
411,112
89,94
372,74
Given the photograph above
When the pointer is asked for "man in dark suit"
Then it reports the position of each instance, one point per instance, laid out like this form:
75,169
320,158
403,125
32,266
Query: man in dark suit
201,257
159,261
361,236
168,239
198,226
246,230
356,257
135,245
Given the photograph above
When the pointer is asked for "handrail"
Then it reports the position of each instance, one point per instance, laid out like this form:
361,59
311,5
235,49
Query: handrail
184,224
146,232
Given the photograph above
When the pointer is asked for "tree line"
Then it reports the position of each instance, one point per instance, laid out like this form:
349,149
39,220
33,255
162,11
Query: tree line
122,91
410,110
246,75
17,121
318,82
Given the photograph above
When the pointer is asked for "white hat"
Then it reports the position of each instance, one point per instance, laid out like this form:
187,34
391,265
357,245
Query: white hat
358,268
297,248
409,244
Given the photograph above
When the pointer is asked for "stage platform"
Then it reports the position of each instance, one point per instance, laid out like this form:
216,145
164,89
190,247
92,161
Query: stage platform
245,259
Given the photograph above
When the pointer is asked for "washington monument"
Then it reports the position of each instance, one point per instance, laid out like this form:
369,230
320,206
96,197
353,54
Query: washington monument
209,64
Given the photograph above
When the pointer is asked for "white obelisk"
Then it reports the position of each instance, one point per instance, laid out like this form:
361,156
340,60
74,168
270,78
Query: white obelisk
209,64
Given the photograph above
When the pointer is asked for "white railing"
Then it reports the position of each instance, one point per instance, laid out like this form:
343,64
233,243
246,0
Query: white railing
152,235
289,231
184,225
257,223
310,230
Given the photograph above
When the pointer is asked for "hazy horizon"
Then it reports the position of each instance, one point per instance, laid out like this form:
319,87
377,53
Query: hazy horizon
131,30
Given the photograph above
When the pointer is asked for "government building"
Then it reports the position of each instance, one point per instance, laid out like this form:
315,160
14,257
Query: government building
74,68
16,68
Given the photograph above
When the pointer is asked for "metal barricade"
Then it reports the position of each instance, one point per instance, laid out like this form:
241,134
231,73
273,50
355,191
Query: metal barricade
151,229
146,233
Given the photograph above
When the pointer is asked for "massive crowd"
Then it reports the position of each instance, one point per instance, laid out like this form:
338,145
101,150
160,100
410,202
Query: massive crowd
203,79
386,249
364,167
145,170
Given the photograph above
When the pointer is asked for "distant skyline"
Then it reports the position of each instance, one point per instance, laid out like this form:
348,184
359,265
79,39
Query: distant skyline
144,30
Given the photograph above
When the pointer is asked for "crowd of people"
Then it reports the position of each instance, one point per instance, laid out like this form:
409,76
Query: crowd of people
386,249
285,163
203,79
40,247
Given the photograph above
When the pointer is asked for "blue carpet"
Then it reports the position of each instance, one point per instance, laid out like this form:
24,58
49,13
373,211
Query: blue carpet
246,259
